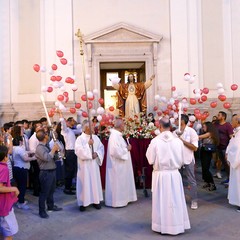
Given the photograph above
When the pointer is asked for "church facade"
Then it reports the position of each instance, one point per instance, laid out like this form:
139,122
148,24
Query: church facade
167,38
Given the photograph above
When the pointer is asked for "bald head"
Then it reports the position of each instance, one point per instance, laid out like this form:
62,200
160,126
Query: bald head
235,120
164,124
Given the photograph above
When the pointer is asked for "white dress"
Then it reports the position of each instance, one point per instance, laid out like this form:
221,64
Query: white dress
120,185
132,105
169,209
89,187
233,156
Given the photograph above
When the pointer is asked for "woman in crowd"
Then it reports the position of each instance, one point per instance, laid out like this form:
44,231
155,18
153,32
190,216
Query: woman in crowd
210,140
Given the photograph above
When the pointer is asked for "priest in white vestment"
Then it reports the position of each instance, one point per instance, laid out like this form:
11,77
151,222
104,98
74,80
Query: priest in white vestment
89,187
233,157
120,185
169,209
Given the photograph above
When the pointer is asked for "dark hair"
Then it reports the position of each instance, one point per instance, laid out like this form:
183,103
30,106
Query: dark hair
70,119
223,114
16,131
17,140
43,119
185,118
40,134
213,132
133,78
7,126
25,121
3,152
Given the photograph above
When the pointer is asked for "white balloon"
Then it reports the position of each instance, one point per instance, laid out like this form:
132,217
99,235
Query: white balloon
99,118
44,88
221,90
184,100
171,101
89,94
95,91
43,69
197,95
63,89
187,77
192,118
197,90
57,103
51,72
100,110
157,132
74,87
219,85
93,111
87,77
174,95
164,99
192,79
62,107
56,85
157,97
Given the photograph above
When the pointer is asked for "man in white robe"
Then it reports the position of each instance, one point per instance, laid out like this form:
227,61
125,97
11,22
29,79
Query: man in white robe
169,209
120,186
233,157
89,187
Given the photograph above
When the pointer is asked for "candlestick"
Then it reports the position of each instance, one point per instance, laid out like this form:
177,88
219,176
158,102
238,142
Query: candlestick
45,109
179,116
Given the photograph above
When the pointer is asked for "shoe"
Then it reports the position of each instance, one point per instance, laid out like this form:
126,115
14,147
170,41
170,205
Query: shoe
238,209
97,206
226,181
194,205
82,208
69,192
206,185
23,206
212,187
217,175
54,209
43,215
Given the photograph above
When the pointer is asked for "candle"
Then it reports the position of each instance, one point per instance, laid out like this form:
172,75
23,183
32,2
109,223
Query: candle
45,109
179,116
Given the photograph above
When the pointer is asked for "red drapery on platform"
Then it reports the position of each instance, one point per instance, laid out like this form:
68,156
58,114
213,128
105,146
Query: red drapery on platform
139,161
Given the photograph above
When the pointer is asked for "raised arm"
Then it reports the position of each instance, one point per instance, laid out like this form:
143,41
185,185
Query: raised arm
148,83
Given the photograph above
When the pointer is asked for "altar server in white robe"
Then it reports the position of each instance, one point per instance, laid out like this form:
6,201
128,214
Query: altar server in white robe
233,157
169,209
89,187
120,185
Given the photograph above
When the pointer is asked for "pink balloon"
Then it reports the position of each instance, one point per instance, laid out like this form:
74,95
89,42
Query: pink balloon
83,97
101,101
36,67
205,90
84,114
111,108
193,101
213,104
155,108
58,78
53,78
204,98
50,89
227,105
173,89
72,110
222,97
78,105
90,105
54,67
60,98
65,94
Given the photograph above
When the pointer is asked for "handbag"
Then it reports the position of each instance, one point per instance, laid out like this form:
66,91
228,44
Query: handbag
209,147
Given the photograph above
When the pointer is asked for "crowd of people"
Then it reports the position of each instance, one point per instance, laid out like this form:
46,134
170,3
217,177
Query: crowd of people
40,157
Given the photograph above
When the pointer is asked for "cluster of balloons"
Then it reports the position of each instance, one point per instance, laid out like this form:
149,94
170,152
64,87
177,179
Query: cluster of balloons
57,83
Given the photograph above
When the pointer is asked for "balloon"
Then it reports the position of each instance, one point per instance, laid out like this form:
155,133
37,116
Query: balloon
42,69
100,110
78,105
65,94
66,99
187,77
193,101
36,67
205,90
74,87
157,97
44,89
173,89
204,98
101,101
50,113
198,116
63,61
90,105
219,85
89,94
50,89
72,110
84,114
159,113
196,110
54,67
234,87
99,118
222,97
83,97
220,90
111,108
155,108
59,53
53,78
60,98
200,100
227,105
58,78
95,91
213,104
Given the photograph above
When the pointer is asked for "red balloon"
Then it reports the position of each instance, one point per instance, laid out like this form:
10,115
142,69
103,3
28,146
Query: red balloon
58,78
83,97
60,98
234,87
159,114
63,61
101,101
51,114
102,123
193,101
90,105
169,106
78,105
59,53
49,89
36,67
155,108
84,114
173,88
185,109
213,104
91,98
204,98
200,100
111,108
53,78
65,94
222,97
196,111
198,116
72,110
227,105
205,90
66,99
54,67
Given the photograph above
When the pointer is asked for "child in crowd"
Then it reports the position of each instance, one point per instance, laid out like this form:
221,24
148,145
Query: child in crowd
8,196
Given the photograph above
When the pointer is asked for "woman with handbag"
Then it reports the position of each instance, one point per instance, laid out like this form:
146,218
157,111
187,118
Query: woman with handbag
210,140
